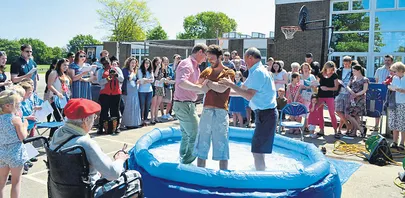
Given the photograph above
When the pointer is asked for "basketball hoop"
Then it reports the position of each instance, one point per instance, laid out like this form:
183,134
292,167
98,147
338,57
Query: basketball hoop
289,31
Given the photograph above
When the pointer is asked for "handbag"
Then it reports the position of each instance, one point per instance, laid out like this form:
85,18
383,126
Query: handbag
391,100
60,103
111,125
306,95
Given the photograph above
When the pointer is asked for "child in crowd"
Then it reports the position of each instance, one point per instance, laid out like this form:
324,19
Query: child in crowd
293,95
237,103
28,107
314,118
13,130
281,101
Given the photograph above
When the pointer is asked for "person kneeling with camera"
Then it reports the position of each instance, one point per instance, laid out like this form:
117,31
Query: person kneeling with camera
80,114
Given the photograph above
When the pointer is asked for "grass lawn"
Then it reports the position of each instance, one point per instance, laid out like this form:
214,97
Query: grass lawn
41,68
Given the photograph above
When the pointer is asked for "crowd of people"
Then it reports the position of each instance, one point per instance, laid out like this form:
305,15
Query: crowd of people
132,95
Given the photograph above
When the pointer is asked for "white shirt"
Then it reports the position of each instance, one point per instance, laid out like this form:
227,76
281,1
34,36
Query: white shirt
279,76
399,83
345,78
381,74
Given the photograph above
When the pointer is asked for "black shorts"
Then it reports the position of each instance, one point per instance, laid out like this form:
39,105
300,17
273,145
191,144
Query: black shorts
266,125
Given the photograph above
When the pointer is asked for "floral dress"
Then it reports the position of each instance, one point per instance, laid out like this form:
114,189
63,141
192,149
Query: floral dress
357,105
13,153
292,91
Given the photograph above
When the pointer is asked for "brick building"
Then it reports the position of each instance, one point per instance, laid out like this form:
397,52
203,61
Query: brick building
294,50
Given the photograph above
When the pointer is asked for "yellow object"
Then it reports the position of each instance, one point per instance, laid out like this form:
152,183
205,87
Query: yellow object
400,184
342,148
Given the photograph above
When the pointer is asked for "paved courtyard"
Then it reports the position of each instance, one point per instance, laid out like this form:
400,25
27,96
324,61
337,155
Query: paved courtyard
368,181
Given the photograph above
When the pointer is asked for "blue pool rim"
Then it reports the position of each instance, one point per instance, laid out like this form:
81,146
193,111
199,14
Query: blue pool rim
319,179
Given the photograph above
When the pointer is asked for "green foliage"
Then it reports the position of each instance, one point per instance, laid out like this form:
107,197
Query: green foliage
157,33
77,42
126,19
41,52
127,30
401,49
206,25
354,42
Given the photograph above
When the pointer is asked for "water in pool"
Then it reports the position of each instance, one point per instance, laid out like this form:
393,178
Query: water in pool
240,156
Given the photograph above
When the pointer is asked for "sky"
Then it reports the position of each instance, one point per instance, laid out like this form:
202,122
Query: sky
57,21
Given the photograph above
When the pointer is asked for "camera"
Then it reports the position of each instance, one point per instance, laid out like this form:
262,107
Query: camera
112,71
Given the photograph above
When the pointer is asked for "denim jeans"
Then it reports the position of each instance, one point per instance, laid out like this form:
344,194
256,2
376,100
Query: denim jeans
145,99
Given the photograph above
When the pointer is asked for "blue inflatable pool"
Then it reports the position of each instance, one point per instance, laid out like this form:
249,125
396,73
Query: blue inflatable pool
297,169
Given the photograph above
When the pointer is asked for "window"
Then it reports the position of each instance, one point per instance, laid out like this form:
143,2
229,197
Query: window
263,52
350,42
385,4
132,51
336,60
401,4
351,21
378,62
390,20
340,6
137,51
361,5
389,42
362,60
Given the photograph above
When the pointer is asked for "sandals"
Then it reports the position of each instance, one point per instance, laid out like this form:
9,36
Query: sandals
401,147
351,134
364,133
297,132
319,134
338,135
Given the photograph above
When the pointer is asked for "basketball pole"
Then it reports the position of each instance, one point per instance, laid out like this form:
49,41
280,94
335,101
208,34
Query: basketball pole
324,28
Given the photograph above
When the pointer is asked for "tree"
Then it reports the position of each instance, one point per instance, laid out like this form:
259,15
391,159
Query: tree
157,33
58,52
206,25
77,42
126,19
401,49
127,30
12,48
42,53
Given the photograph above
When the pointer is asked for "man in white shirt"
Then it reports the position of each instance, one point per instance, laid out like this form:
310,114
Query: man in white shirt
380,75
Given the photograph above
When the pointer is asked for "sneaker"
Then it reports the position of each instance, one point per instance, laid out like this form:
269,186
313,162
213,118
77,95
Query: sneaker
164,117
26,168
169,117
314,136
394,145
401,147
34,159
29,164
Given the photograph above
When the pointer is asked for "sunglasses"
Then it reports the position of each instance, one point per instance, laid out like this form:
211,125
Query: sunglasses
28,51
82,56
